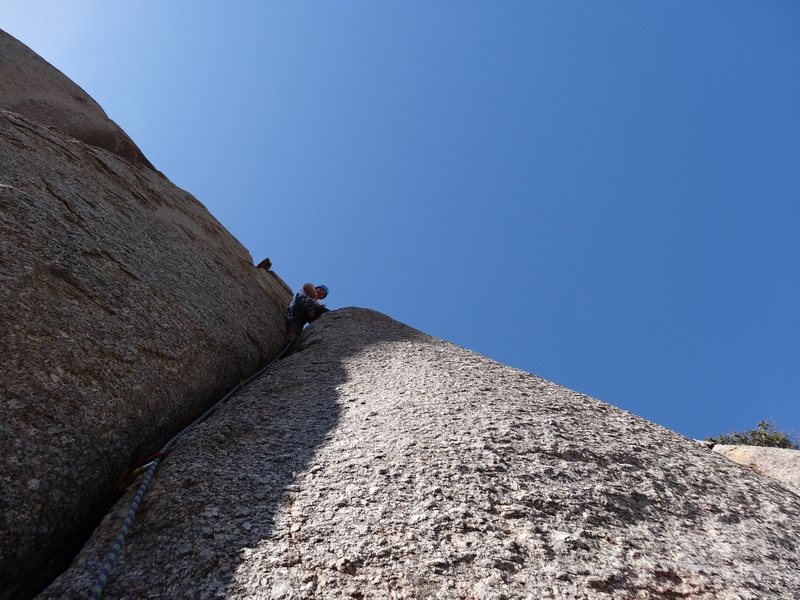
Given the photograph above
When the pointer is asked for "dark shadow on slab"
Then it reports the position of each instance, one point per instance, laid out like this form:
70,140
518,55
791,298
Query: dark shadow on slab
219,492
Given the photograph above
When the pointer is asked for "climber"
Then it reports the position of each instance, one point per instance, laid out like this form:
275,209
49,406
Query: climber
305,308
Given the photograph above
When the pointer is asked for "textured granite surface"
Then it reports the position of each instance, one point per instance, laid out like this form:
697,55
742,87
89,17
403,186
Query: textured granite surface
780,464
125,308
379,462
34,88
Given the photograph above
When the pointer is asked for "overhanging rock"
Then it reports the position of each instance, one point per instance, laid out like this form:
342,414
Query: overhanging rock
379,462
32,87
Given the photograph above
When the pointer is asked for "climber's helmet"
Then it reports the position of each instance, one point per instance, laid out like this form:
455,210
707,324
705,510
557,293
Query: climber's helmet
322,291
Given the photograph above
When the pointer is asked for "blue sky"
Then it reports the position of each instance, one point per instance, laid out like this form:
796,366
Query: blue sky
604,194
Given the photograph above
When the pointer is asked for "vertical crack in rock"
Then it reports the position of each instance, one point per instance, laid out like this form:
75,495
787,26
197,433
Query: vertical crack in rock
117,330
379,462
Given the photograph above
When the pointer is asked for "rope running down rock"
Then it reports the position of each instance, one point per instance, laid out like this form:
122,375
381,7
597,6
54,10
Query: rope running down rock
116,546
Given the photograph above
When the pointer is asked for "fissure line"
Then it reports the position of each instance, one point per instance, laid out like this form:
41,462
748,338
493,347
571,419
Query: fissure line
149,470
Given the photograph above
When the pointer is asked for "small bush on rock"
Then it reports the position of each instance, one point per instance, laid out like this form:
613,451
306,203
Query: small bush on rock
764,435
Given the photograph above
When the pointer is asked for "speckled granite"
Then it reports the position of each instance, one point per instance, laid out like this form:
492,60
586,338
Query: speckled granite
780,464
379,462
125,308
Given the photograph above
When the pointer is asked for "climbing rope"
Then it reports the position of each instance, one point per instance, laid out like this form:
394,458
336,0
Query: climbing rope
149,468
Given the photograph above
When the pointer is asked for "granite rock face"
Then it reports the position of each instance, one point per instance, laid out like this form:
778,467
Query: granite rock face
379,462
34,88
125,309
780,464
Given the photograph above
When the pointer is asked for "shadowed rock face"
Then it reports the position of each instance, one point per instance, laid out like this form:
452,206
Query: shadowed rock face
125,309
379,462
34,88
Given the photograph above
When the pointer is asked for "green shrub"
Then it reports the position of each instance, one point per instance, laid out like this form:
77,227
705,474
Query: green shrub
764,435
